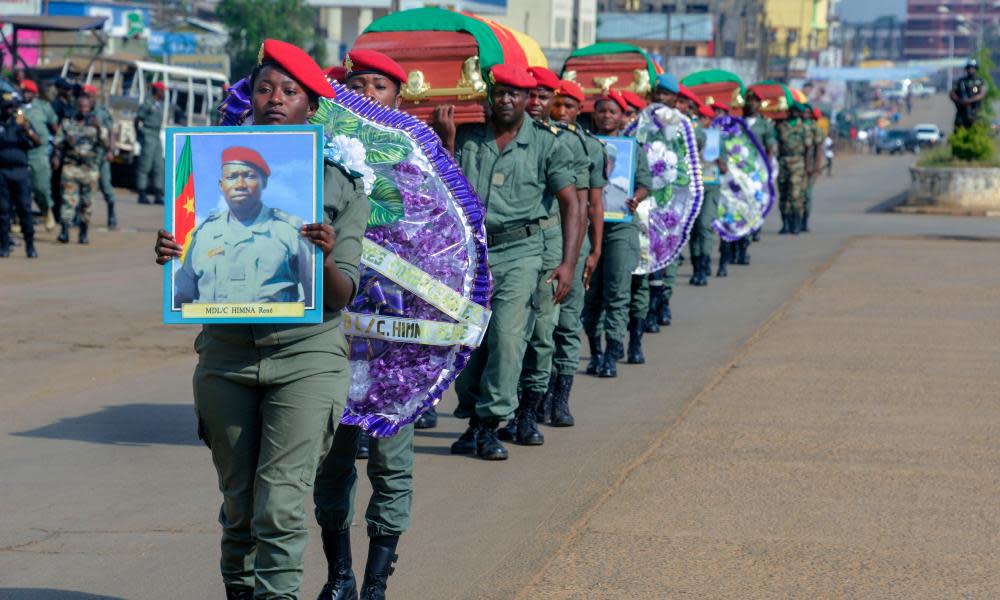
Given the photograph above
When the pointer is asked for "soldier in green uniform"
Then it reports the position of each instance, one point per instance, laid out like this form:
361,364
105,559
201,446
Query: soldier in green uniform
390,459
269,397
148,124
79,144
763,129
566,357
661,283
536,373
248,252
702,234
606,304
518,167
104,116
44,121
793,140
814,159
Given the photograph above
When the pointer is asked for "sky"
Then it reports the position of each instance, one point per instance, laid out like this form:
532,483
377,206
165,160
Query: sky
290,157
866,11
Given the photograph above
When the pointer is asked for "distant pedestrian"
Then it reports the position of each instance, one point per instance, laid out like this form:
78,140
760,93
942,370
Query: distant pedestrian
79,145
828,152
16,138
148,124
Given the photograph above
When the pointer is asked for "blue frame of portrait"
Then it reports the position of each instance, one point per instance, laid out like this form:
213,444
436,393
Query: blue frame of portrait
302,144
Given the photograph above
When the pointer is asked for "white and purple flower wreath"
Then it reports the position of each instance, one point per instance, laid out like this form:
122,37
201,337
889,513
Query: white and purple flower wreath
747,189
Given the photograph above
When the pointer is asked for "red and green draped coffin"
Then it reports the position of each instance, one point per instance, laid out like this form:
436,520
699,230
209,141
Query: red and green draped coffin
776,98
447,56
610,66
716,85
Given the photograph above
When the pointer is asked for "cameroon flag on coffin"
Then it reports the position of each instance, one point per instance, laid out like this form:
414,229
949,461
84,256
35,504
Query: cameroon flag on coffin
184,198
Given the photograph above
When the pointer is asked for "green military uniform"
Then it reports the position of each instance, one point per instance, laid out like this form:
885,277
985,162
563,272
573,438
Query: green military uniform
606,304
262,261
518,186
792,143
763,129
566,359
390,470
105,170
150,172
538,356
702,234
268,400
41,116
80,142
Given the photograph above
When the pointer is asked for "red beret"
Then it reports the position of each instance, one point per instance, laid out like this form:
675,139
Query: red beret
242,154
633,99
159,85
366,61
29,86
298,64
817,113
706,111
513,76
336,73
544,77
89,90
571,89
612,95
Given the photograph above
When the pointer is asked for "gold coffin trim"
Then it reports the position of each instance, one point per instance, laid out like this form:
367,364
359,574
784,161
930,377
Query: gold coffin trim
470,86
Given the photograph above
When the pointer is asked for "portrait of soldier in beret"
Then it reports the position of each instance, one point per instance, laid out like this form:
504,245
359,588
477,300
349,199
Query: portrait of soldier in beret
246,251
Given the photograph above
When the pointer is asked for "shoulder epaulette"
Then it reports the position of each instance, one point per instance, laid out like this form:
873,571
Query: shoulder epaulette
545,126
281,215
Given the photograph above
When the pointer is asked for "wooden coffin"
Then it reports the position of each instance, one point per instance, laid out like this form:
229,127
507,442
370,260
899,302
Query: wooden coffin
442,68
774,99
726,92
598,73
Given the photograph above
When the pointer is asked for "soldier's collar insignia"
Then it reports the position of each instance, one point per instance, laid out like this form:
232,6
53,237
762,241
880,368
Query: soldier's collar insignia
348,64
216,251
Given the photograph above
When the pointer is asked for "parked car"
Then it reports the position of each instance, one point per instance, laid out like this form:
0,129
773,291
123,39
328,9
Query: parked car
927,134
897,140
922,91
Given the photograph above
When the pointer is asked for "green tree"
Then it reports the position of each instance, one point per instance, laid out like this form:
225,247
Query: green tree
250,22
986,67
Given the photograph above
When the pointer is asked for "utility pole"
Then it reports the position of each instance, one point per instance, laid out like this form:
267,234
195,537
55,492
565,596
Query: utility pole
790,36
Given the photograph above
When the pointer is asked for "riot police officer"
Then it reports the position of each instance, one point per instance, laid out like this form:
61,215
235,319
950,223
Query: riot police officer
968,94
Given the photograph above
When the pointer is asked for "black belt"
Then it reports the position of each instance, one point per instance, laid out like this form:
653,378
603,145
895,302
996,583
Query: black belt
549,222
513,235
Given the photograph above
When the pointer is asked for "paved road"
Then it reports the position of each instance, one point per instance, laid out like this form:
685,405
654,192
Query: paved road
107,493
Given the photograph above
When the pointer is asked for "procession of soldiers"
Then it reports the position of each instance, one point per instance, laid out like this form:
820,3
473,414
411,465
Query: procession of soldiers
559,274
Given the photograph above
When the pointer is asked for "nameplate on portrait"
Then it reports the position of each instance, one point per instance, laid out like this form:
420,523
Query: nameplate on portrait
242,310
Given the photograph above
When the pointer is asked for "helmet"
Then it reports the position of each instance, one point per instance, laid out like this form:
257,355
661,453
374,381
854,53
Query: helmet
972,63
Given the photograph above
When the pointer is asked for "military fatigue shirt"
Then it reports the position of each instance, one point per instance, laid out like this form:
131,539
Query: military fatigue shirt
517,185
41,115
263,261
346,208
763,129
572,136
82,141
968,86
793,138
598,157
151,115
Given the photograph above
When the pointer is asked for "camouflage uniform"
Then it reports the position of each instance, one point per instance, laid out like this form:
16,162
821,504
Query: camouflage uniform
81,144
793,138
814,145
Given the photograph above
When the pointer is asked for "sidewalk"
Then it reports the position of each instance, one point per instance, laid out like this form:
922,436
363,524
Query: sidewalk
850,450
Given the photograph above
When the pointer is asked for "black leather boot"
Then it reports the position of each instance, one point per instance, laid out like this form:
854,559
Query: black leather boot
377,572
158,198
83,239
488,446
340,582
143,199
29,247
561,417
725,255
466,444
706,268
508,432
742,257
596,356
618,353
695,270
635,331
609,366
545,406
112,219
239,592
784,224
428,420
526,433
63,233
665,316
651,323
362,446
804,223
756,236
794,221
4,242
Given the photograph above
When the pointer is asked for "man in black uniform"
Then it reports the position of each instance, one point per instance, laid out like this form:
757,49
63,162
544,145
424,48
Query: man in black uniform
16,138
968,94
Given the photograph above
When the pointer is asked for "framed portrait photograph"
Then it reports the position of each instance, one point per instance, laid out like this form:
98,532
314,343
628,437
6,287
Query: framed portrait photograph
236,199
621,177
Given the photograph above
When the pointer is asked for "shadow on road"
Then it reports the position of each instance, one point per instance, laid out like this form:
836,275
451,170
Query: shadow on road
127,425
49,594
